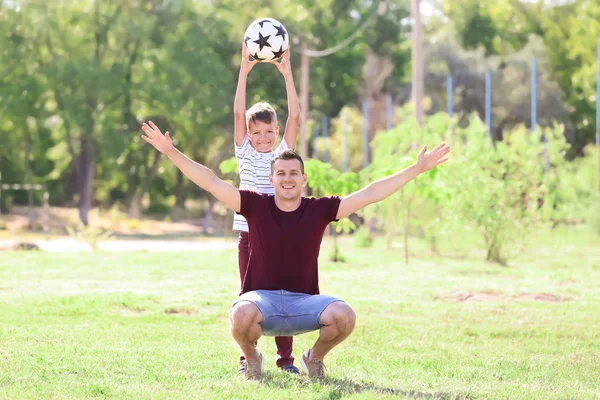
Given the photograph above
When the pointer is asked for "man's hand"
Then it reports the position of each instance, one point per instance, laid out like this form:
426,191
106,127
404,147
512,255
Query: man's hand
285,67
154,136
247,65
427,161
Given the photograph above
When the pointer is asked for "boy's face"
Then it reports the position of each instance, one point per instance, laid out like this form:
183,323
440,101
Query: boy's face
287,179
263,135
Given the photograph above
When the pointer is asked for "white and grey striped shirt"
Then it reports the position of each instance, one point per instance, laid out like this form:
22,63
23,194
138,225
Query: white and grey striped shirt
254,168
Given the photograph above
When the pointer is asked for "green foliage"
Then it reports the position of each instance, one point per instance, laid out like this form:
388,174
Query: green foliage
325,180
363,238
91,235
501,189
395,150
229,166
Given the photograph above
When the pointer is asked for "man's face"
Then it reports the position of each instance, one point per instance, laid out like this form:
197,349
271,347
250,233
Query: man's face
263,135
287,178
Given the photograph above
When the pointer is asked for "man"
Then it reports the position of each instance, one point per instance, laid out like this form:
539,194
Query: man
281,290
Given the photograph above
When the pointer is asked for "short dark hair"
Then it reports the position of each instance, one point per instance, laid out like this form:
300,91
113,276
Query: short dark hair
288,155
261,111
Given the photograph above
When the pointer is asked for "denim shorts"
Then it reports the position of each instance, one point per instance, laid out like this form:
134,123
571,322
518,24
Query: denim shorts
288,313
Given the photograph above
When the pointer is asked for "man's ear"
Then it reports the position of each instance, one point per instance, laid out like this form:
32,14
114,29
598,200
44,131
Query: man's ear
271,179
304,180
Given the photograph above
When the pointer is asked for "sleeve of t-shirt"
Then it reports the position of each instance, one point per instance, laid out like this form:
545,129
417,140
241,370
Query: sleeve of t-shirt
242,150
248,199
282,146
331,205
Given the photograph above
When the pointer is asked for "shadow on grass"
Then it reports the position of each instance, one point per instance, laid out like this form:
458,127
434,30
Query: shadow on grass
335,388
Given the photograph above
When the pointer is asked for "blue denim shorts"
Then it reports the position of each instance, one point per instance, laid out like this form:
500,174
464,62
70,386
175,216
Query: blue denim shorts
288,313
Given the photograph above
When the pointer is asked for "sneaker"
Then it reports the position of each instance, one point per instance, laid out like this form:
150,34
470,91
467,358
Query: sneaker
242,367
313,368
291,368
253,370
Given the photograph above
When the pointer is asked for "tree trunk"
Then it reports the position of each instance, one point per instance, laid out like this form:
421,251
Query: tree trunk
494,254
391,224
135,204
406,224
29,175
86,174
208,219
335,254
179,210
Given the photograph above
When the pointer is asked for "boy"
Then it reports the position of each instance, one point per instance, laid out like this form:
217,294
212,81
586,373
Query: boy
258,126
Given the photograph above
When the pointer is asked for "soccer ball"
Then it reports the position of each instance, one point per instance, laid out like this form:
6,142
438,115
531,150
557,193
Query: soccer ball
266,39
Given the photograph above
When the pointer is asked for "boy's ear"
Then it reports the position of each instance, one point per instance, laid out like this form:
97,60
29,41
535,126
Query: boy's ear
277,131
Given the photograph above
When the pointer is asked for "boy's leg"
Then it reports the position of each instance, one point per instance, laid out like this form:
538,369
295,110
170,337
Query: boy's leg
284,350
243,254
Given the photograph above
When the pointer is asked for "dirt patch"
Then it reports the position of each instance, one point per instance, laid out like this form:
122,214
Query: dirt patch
180,310
496,296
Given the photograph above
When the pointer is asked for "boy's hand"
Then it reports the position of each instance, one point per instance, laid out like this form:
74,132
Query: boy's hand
154,136
247,65
426,161
285,67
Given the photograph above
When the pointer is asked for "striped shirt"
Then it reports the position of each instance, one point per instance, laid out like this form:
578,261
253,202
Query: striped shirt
254,168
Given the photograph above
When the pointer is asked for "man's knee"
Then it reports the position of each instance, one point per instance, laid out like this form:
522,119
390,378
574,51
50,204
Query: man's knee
340,314
244,314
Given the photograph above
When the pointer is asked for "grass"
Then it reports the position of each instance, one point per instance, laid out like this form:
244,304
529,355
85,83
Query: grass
154,325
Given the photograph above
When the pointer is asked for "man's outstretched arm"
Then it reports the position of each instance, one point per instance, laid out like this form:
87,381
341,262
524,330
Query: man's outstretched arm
197,173
383,188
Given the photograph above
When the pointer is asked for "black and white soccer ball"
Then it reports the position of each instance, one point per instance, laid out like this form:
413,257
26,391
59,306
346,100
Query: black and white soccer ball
266,39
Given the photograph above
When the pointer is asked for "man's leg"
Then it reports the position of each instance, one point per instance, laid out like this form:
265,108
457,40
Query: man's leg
243,258
245,319
338,321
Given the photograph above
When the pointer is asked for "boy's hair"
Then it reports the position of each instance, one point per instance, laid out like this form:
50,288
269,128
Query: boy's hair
288,155
261,111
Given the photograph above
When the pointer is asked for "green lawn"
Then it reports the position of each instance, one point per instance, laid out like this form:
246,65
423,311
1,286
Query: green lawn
154,325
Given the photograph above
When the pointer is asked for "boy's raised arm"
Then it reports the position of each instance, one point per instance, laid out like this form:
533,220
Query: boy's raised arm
239,104
293,122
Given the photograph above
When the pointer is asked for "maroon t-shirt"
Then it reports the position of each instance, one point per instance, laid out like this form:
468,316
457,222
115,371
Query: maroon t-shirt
284,246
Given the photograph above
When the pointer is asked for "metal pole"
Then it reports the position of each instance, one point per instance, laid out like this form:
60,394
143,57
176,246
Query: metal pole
417,62
389,112
488,102
449,95
324,122
0,186
316,142
345,131
365,134
598,122
304,74
46,209
533,94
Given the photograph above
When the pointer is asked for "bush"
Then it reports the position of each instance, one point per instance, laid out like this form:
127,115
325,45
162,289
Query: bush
363,238
502,189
